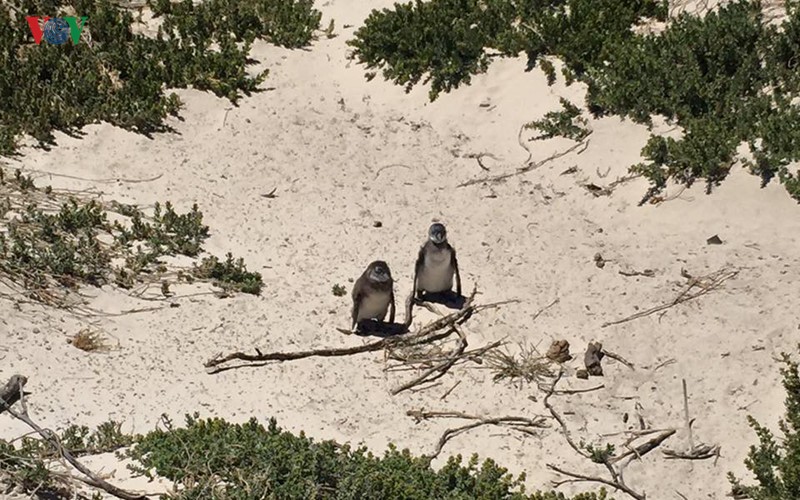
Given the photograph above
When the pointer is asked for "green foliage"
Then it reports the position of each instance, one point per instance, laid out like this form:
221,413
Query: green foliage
52,242
776,464
229,275
25,466
726,78
120,78
567,123
709,75
214,459
444,39
599,455
447,39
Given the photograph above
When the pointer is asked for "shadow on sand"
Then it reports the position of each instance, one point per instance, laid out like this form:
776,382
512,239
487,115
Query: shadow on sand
448,299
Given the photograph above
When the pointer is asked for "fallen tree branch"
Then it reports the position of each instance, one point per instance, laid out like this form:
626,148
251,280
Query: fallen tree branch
427,333
596,456
91,478
714,281
520,424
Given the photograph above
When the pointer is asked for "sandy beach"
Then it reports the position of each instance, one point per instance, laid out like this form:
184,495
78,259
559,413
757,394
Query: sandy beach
340,154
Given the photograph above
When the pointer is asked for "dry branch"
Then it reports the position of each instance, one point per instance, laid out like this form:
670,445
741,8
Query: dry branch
700,451
705,283
434,330
91,478
528,164
615,481
521,424
619,358
442,367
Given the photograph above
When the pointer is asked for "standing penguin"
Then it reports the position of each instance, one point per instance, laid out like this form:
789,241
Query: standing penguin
373,295
436,264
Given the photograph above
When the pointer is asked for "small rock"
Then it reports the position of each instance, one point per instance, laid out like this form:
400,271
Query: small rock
583,374
36,330
714,240
377,223
594,354
599,261
559,351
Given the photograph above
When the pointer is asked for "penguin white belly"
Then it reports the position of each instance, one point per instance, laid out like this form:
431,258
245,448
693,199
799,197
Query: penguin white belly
374,305
437,274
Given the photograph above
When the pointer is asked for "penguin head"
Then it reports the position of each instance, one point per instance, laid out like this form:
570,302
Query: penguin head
437,233
379,272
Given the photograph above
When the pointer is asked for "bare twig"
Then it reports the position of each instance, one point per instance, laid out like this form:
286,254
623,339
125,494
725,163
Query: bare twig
700,451
528,165
479,158
521,424
543,309
440,369
646,447
715,280
619,358
447,393
686,413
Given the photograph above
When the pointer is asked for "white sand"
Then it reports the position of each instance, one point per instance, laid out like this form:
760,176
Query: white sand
342,153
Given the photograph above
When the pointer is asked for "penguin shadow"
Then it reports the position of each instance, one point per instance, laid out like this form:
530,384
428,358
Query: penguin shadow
449,299
369,328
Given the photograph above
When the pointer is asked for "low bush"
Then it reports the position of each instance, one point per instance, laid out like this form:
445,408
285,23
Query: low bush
728,78
117,75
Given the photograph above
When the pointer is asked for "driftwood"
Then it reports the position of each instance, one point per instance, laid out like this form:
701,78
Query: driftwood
17,382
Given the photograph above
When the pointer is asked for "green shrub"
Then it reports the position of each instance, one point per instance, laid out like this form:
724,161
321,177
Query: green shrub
214,459
120,78
727,78
776,464
710,75
52,242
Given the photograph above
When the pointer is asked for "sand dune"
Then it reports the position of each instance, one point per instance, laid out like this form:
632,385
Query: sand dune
342,153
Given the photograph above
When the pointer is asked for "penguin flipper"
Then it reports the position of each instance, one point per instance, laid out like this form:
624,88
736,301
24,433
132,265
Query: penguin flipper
391,307
417,267
356,303
454,262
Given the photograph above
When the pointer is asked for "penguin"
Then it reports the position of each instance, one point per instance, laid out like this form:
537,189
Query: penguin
436,264
373,295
